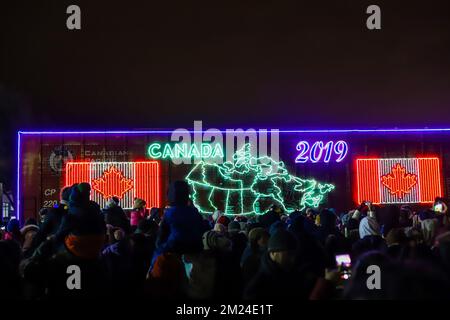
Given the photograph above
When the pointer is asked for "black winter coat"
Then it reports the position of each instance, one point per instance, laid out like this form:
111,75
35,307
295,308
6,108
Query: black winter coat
272,283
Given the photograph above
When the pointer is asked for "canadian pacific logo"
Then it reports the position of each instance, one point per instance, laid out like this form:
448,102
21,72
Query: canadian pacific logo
59,156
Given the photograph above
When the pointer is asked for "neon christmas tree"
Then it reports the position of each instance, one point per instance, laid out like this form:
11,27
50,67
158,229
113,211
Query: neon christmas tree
249,185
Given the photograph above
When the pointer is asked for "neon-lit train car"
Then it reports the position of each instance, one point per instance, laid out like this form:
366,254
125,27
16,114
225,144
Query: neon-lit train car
239,173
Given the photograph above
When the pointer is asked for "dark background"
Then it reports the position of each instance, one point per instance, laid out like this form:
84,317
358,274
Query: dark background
276,64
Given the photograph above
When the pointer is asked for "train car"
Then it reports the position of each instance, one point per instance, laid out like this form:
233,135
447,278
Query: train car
240,172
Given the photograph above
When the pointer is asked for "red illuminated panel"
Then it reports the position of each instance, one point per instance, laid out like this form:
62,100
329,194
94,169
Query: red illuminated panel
430,179
125,180
368,187
398,180
147,185
77,172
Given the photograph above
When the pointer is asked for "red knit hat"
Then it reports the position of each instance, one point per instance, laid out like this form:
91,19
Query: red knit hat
223,220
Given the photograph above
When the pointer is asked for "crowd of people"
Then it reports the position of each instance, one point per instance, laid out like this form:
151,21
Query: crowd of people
179,253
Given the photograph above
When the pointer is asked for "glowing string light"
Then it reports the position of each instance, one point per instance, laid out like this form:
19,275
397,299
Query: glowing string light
321,151
250,185
398,180
125,180
185,150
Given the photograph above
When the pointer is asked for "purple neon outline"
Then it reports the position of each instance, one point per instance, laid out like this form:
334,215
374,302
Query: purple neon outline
346,151
312,153
18,177
329,150
396,130
68,132
303,160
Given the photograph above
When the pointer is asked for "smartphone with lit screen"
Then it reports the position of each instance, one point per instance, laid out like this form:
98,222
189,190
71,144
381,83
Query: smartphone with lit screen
343,260
344,264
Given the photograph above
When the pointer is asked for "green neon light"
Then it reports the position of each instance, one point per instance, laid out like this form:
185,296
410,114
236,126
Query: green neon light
185,150
248,185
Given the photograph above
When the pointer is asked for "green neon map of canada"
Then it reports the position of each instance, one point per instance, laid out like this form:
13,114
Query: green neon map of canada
250,185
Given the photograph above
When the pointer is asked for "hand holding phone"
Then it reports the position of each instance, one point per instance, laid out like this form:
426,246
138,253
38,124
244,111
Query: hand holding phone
438,207
344,264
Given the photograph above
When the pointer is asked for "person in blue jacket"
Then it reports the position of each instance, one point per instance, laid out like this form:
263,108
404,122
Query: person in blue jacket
182,226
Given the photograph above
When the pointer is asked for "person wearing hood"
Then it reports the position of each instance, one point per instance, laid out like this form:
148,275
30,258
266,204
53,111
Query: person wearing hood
251,257
238,240
29,231
115,216
311,252
277,277
213,273
327,224
83,217
278,225
428,228
182,226
52,220
82,233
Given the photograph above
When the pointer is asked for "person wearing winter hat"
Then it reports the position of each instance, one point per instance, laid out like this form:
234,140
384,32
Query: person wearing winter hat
115,216
277,278
281,248
213,273
223,220
78,241
220,228
178,193
213,240
28,232
52,220
276,226
251,257
84,215
182,226
83,228
234,227
238,240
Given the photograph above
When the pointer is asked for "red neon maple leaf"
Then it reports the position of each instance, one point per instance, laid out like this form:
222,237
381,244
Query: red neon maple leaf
398,181
112,183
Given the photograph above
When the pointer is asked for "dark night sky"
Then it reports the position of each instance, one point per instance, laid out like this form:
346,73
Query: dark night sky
285,64
278,64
